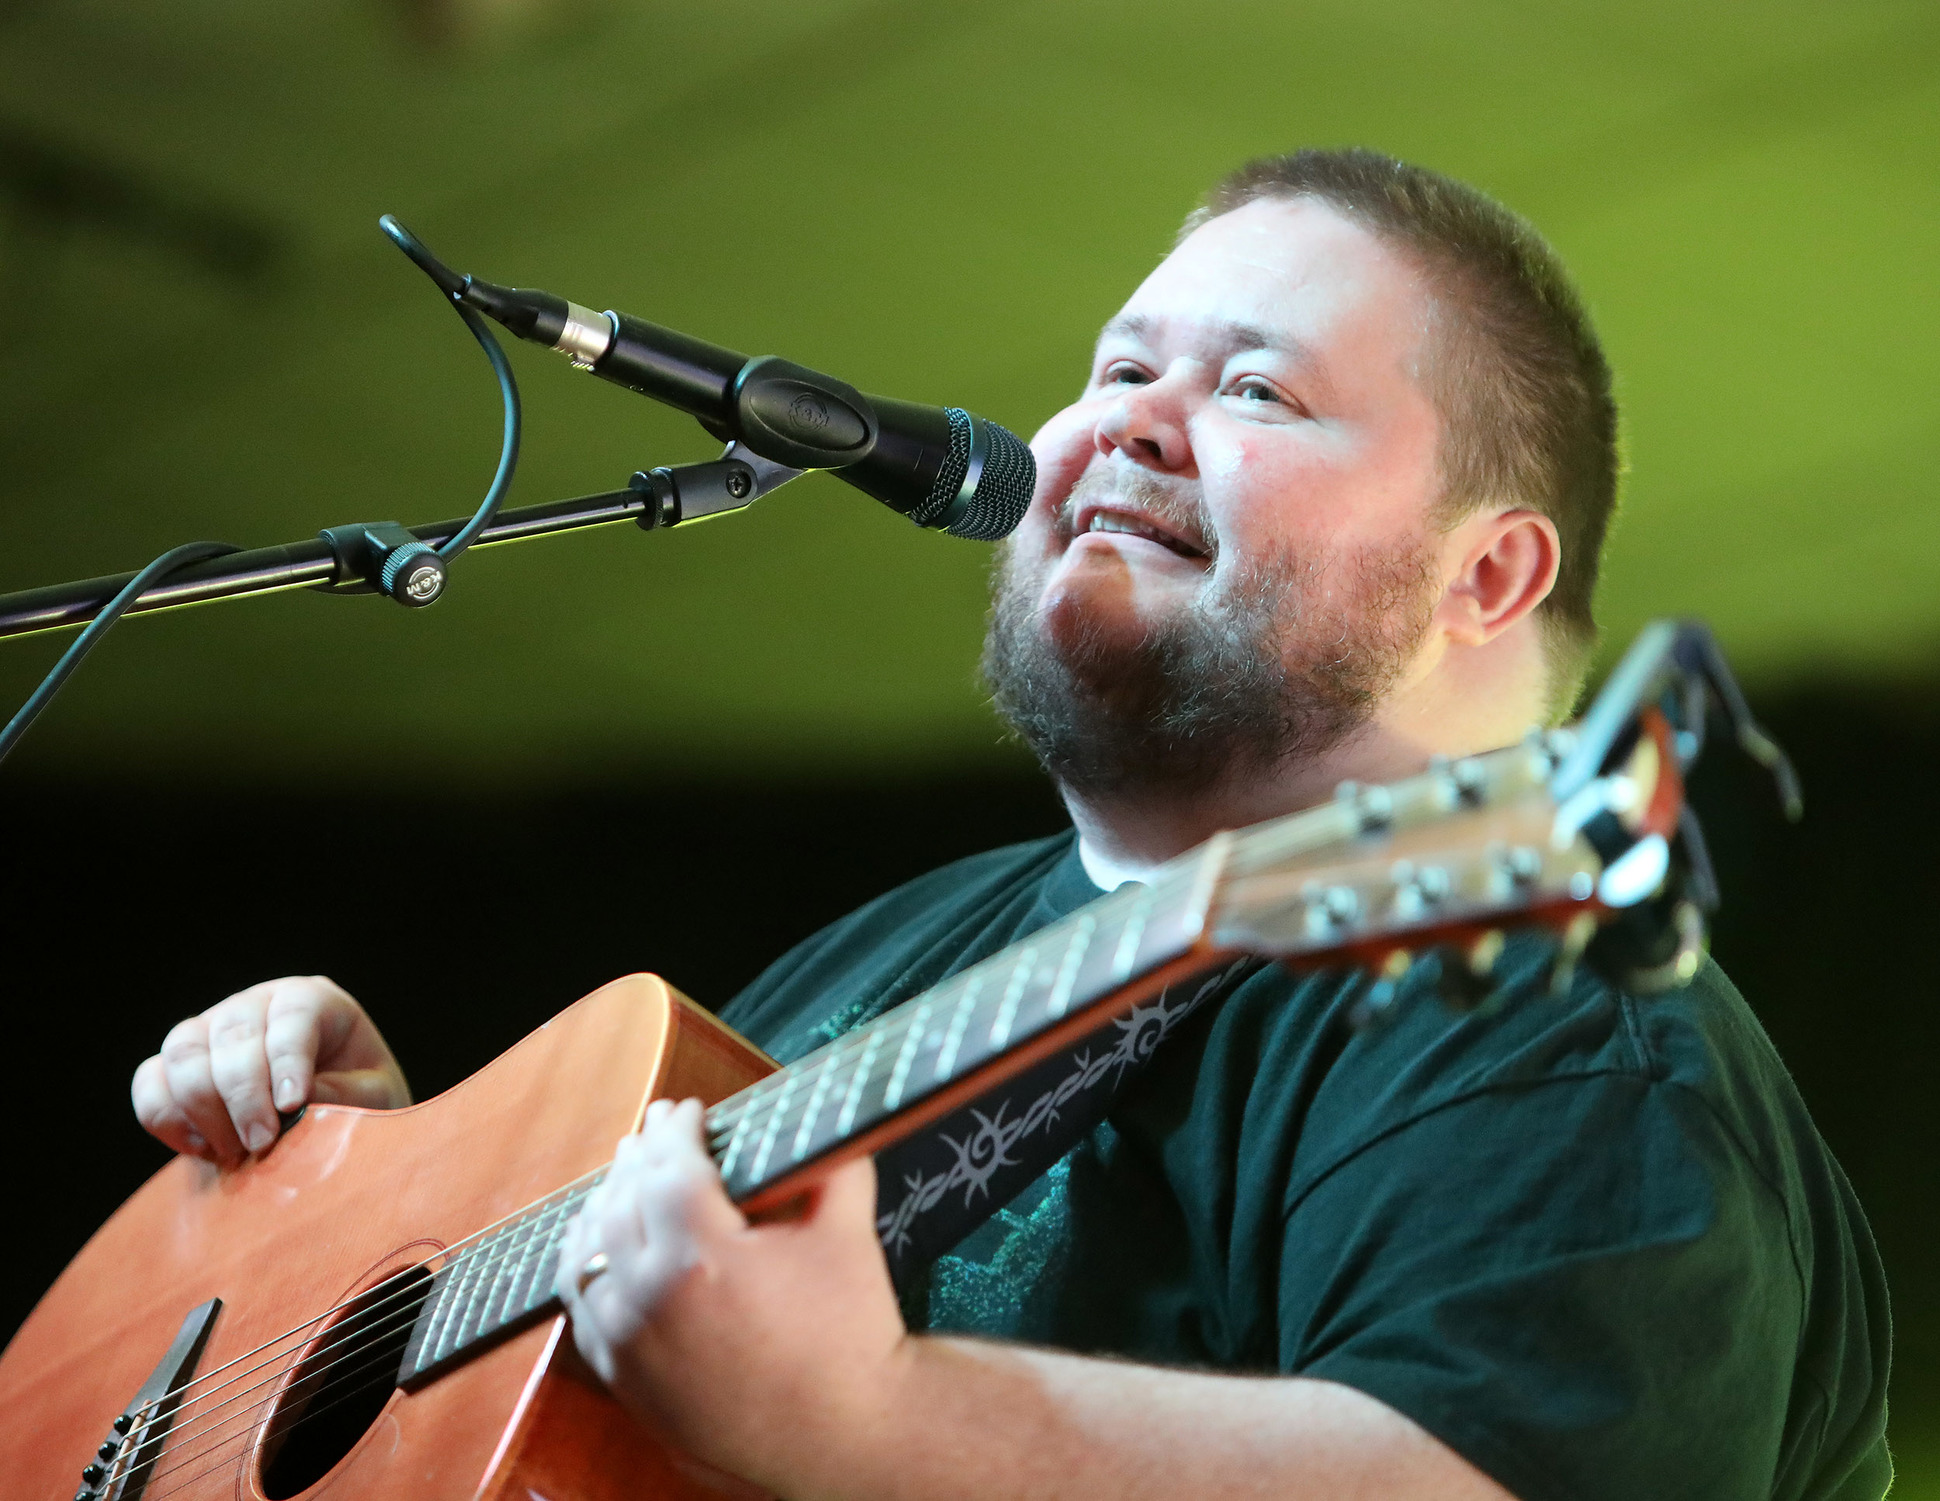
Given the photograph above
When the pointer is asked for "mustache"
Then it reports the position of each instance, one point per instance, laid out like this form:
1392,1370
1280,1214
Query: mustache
1139,490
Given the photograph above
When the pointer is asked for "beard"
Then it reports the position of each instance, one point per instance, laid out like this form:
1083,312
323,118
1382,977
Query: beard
1284,659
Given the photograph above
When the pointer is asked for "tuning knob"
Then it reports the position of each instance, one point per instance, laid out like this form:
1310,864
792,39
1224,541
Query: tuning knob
1376,1002
1467,975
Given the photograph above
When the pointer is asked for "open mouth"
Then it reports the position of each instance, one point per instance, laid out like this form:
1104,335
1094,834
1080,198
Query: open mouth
1135,524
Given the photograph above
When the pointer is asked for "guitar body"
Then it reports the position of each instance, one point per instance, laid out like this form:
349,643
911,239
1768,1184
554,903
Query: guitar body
344,1199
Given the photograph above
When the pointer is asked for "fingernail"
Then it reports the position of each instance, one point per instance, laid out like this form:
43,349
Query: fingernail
288,1096
258,1136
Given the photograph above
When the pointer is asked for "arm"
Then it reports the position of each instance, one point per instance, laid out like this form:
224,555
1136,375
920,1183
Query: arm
777,1352
216,1086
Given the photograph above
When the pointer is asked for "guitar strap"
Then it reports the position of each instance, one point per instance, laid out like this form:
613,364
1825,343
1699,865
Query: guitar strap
938,1185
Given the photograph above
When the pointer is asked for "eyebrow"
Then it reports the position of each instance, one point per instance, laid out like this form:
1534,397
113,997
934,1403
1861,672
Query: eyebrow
1229,335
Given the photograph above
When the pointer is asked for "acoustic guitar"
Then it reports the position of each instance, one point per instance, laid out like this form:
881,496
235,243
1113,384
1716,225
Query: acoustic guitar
364,1310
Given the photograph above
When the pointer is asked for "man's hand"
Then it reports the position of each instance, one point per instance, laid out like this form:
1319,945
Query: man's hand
759,1348
215,1088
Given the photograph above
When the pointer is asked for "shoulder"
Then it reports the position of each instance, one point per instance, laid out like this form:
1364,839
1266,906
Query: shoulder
1680,1099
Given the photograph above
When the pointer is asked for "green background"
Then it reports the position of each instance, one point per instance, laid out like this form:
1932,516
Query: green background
941,202
204,335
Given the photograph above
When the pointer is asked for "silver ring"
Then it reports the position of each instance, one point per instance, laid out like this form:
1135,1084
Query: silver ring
595,1268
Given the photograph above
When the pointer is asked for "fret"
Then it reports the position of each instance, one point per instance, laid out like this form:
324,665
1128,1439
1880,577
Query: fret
774,1126
544,1238
452,1307
807,1129
906,1056
735,1142
1126,955
1074,956
506,1275
1020,976
457,1270
857,1081
465,1329
959,1020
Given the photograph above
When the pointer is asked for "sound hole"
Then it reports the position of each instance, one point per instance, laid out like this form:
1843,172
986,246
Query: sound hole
341,1385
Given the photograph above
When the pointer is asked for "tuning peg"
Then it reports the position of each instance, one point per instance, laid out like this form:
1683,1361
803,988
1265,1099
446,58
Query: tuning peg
1468,974
1569,948
1376,1002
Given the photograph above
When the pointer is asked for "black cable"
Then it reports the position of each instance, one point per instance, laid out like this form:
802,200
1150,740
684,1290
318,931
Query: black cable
452,284
167,563
449,283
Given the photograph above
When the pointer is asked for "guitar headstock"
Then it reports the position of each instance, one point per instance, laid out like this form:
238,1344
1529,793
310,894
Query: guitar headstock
1581,831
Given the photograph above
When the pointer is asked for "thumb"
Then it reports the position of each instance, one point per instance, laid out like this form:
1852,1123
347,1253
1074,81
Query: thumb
846,1199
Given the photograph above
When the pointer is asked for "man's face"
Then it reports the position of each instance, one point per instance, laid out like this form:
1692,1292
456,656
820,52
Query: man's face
1228,556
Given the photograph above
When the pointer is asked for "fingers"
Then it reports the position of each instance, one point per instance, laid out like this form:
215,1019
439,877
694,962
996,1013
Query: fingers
292,1038
654,1217
221,1077
192,1087
681,1200
158,1113
238,1066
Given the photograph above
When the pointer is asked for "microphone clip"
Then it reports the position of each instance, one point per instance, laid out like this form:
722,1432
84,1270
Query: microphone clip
700,492
389,558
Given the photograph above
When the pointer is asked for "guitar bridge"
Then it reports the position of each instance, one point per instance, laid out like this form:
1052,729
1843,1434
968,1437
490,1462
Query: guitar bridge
120,1468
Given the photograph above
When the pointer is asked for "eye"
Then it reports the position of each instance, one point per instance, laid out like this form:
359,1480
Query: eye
1121,373
1253,388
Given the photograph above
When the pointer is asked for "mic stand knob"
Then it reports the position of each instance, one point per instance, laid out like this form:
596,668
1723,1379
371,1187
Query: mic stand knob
388,558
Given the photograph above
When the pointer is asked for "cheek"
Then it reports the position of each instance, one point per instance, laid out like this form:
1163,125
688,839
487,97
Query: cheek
1063,447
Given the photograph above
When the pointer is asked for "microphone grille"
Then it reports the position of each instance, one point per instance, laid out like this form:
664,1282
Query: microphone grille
1004,486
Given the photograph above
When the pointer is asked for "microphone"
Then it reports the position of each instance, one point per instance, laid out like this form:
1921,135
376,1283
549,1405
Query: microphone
940,466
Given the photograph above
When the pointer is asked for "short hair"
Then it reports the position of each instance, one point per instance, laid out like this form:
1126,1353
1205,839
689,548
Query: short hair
1515,370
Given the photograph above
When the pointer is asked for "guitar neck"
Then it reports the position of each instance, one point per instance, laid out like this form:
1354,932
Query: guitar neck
1298,887
964,1029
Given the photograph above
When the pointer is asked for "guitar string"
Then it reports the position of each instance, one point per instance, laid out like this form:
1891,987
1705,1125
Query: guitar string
458,1253
178,1434
243,1438
460,1256
201,1424
461,1261
895,1024
464,1255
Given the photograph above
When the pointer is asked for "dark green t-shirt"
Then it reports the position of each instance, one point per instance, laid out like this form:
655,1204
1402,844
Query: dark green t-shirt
1593,1244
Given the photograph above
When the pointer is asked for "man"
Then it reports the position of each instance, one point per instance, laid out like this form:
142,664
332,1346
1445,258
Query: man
1330,504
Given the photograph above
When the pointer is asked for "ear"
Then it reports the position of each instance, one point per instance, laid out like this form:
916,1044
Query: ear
1507,566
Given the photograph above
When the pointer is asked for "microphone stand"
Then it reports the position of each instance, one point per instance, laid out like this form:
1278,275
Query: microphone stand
351,559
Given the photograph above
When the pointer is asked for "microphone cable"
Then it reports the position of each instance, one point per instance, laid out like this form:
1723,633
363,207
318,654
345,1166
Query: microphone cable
195,552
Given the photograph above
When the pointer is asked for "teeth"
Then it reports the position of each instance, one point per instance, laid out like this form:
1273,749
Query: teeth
1106,521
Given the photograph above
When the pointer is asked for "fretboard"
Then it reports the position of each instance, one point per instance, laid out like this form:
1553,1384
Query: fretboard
890,1066
496,1284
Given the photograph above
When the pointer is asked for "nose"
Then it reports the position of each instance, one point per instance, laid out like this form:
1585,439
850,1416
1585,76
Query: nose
1147,425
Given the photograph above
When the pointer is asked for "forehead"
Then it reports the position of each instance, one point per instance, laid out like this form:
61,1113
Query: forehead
1291,272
